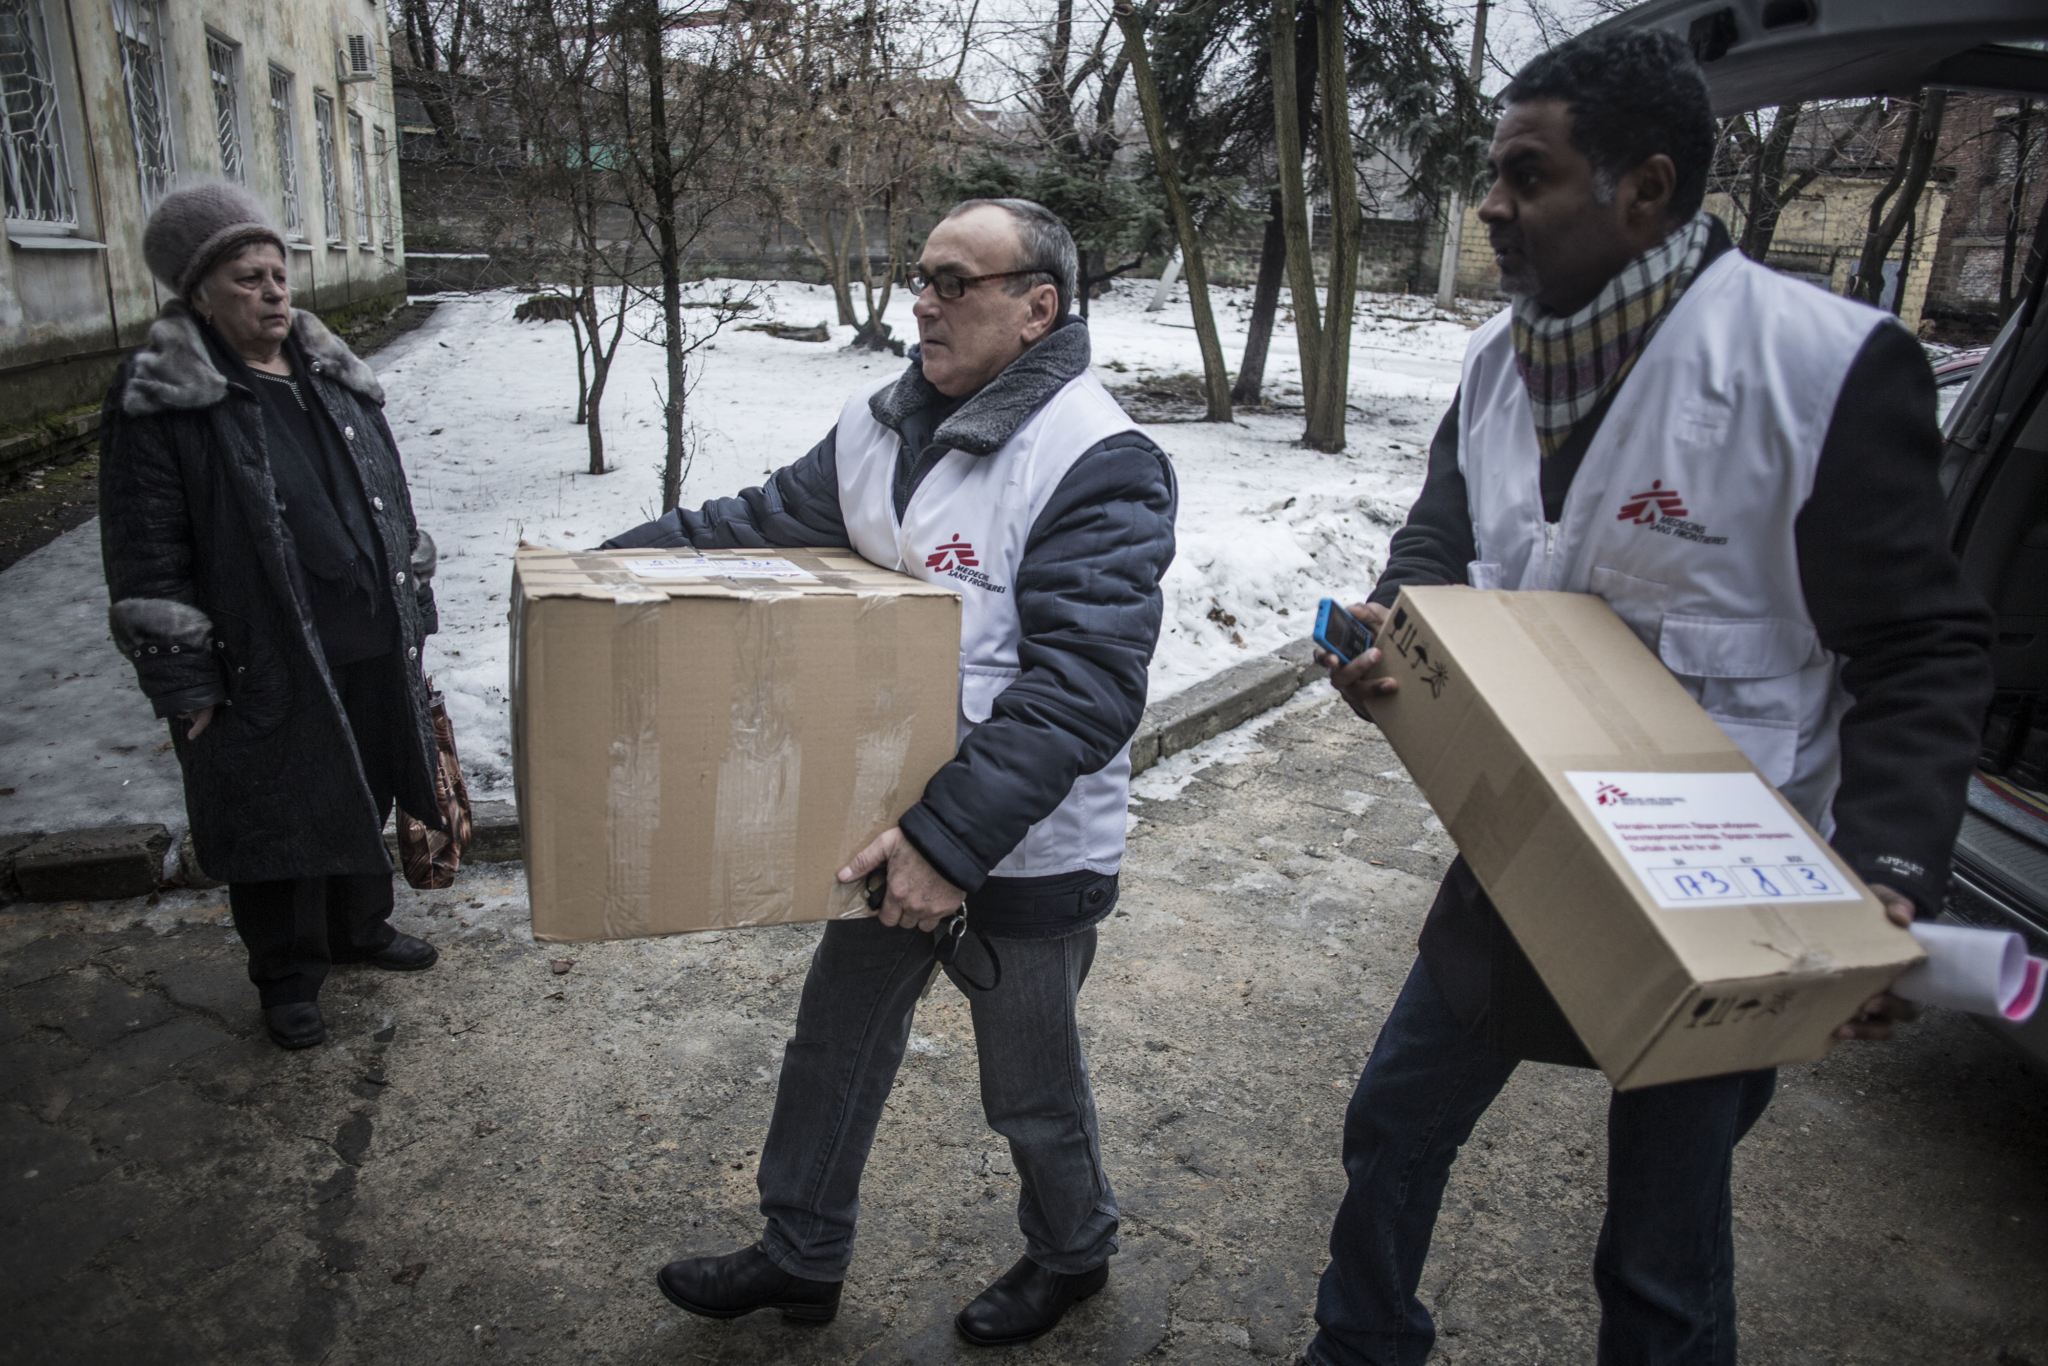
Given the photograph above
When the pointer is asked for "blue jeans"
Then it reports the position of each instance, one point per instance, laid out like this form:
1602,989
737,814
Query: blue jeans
1664,1267
851,1028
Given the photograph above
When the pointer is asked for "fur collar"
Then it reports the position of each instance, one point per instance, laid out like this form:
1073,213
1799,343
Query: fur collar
993,413
174,371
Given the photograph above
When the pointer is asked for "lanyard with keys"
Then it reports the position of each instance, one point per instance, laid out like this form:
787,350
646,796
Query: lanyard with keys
946,939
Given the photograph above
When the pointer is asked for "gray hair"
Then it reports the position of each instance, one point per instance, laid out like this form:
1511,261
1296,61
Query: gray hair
1046,248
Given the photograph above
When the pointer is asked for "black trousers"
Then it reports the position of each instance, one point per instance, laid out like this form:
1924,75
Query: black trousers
296,929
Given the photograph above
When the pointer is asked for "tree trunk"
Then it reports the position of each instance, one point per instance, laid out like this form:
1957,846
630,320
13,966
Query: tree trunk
601,356
1916,160
1293,192
599,365
1789,190
1215,379
2023,146
836,266
668,252
1760,219
1905,262
1333,386
1093,263
582,377
1251,375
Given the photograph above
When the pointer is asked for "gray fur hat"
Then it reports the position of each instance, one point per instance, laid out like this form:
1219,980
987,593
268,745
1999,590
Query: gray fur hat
194,228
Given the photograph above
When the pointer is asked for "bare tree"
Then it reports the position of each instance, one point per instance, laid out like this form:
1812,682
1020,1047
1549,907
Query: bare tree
2023,127
1215,377
867,102
437,48
1897,204
557,64
1772,184
1322,334
682,98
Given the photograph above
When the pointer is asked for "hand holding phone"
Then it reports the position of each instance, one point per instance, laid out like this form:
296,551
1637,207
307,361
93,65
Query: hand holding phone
1342,634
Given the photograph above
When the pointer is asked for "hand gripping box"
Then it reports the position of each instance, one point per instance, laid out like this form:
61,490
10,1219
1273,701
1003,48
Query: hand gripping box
701,740
1687,920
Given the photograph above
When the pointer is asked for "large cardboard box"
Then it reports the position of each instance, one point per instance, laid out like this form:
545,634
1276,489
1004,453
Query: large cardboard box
700,740
1684,916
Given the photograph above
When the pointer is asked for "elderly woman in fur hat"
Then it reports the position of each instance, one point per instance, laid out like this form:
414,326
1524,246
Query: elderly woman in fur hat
271,589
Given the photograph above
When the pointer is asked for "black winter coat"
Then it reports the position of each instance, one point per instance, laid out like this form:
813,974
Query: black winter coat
209,604
1885,594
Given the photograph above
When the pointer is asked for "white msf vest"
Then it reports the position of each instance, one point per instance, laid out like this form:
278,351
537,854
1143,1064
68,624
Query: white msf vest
965,526
1681,515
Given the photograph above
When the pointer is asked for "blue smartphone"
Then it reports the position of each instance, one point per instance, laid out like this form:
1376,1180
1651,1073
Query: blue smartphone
1342,634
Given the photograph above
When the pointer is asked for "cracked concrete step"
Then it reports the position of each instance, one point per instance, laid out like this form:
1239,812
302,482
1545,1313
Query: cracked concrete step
1220,702
127,860
99,864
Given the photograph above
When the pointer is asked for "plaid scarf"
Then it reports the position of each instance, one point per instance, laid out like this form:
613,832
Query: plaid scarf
1569,363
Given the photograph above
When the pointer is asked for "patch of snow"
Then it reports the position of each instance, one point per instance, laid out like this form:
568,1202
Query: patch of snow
482,407
1173,773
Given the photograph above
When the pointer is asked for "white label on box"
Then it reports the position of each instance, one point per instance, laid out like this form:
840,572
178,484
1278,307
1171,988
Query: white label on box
1705,839
698,567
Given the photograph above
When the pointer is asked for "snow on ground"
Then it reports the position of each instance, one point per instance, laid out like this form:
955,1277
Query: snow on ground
482,408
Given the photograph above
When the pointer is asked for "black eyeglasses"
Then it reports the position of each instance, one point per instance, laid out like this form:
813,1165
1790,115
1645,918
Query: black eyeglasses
951,286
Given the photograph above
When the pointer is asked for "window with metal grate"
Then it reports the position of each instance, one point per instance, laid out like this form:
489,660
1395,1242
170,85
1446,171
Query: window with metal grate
330,188
387,230
221,60
138,32
284,133
359,174
32,157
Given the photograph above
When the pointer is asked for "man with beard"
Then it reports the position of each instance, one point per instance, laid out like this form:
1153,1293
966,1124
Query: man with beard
1794,577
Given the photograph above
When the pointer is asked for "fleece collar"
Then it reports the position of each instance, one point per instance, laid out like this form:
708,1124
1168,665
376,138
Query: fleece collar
173,370
993,413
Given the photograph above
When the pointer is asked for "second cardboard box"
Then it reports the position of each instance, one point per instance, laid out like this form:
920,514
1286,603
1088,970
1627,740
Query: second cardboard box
1687,920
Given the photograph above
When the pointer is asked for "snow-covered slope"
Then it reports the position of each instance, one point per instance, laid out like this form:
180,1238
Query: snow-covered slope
482,408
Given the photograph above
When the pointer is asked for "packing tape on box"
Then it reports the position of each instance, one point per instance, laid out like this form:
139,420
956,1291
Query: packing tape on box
1591,684
1985,972
754,846
633,783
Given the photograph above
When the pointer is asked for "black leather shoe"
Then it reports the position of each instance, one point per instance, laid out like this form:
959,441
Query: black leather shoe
1026,1301
741,1282
405,954
296,1024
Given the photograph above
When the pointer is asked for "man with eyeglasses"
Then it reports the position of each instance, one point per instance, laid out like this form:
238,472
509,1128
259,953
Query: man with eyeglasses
996,463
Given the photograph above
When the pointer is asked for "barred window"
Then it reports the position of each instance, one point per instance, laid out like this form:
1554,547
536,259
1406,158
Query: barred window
31,140
227,106
138,31
330,189
284,130
359,172
382,171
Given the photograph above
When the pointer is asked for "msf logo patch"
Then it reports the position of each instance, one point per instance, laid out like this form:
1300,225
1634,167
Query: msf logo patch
1663,511
955,552
956,560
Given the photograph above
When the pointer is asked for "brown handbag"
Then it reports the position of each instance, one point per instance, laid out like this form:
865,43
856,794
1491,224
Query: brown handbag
430,858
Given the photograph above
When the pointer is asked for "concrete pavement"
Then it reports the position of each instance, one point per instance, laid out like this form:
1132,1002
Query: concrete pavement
489,1160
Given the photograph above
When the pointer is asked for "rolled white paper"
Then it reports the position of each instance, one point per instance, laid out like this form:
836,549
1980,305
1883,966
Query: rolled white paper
1986,972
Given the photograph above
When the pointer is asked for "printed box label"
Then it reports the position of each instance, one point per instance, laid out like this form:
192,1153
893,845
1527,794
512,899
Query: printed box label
699,567
1706,839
